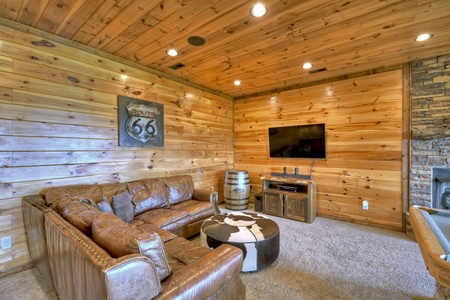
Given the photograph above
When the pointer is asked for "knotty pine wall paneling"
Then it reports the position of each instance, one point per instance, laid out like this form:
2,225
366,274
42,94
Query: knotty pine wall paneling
363,118
58,126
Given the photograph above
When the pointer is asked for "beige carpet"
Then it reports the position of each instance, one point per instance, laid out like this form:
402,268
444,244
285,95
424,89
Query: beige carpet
324,260
26,285
337,260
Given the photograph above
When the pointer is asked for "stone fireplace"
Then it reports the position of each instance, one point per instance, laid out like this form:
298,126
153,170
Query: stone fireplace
430,132
440,188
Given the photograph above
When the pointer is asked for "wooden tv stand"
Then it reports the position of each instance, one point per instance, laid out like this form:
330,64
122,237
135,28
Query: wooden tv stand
289,198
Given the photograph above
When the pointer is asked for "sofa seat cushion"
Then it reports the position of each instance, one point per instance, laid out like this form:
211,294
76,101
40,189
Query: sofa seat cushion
164,234
77,212
165,218
181,252
180,188
197,210
119,239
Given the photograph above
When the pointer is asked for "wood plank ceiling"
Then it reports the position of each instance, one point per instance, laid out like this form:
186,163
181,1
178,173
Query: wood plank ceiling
266,53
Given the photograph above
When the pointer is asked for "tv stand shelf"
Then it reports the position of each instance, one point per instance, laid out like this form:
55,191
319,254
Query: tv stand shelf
289,198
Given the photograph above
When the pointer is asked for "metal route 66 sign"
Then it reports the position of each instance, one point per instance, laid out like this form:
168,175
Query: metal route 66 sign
141,123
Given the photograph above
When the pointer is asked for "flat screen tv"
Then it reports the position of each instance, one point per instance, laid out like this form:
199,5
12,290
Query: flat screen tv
300,141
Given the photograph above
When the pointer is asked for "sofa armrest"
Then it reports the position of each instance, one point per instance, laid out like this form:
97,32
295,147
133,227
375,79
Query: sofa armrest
206,276
204,195
33,208
86,271
207,195
132,276
37,201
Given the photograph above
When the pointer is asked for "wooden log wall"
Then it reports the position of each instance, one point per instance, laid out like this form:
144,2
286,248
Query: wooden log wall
363,118
59,126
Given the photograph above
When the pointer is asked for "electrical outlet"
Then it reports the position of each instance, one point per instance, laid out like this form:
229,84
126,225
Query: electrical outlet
365,205
6,243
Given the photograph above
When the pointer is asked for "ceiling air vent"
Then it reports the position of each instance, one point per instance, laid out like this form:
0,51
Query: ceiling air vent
317,71
177,66
196,40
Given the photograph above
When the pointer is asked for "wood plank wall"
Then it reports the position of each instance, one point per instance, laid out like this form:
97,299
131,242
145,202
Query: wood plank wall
59,126
363,118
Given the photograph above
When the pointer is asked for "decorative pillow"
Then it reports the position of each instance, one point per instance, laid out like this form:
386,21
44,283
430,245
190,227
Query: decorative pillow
180,188
105,206
148,194
123,207
120,238
77,213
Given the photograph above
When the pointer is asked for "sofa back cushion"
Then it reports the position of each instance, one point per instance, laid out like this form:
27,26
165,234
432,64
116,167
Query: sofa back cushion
148,194
111,189
77,212
92,192
180,188
119,238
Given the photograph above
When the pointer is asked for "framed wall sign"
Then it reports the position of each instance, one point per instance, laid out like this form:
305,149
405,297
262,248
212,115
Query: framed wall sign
141,123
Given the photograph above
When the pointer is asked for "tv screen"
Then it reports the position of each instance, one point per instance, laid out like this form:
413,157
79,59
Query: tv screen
300,141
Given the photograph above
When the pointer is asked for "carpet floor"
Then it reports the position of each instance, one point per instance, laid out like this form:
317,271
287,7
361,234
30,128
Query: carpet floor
325,260
338,260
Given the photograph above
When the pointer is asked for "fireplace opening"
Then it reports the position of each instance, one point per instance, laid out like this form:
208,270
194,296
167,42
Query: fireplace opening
440,188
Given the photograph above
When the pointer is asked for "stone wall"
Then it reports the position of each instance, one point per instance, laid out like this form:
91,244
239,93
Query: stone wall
430,124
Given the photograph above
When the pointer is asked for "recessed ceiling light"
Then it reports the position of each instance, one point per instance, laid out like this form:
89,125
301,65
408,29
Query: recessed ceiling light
237,82
172,52
258,10
423,37
307,65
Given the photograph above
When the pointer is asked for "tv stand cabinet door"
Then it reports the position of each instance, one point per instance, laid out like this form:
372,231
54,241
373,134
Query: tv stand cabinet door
273,203
296,207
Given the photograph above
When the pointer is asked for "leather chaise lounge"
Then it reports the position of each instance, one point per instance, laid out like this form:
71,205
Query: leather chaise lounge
129,241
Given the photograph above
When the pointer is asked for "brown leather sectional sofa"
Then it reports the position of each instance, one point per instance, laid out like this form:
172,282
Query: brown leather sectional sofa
129,241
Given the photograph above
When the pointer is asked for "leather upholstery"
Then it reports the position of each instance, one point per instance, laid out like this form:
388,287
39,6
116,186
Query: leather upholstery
77,213
148,194
33,211
79,268
120,239
83,270
180,188
206,273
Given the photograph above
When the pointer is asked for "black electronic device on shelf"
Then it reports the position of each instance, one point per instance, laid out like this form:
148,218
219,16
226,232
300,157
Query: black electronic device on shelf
287,188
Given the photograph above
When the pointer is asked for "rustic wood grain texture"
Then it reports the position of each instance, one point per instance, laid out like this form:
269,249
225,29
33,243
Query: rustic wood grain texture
266,54
59,126
363,118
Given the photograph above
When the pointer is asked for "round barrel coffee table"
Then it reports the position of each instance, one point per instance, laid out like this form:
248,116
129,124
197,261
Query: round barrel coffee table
257,236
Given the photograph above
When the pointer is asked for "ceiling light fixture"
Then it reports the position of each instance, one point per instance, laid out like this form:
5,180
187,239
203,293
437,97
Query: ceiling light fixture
258,10
237,82
307,65
423,37
172,52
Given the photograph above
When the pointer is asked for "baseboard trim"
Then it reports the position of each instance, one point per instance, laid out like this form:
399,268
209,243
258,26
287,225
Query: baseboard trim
15,270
